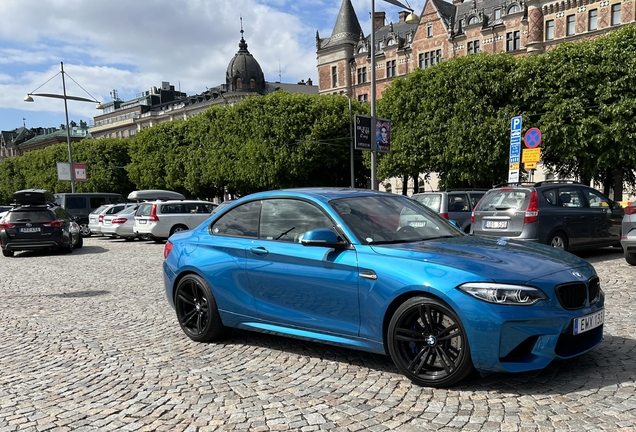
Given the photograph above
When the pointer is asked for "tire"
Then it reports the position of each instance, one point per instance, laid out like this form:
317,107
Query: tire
178,228
85,231
559,240
196,310
630,257
129,238
68,247
428,343
7,253
79,243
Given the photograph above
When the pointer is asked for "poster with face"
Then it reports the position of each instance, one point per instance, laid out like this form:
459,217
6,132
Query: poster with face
383,135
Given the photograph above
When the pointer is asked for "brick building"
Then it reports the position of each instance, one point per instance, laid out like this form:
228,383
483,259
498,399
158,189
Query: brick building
448,30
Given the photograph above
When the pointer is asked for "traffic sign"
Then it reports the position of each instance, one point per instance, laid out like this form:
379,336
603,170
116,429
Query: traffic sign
530,165
531,155
515,124
532,138
514,166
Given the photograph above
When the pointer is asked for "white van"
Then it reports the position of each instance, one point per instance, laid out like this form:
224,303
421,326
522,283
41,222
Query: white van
158,220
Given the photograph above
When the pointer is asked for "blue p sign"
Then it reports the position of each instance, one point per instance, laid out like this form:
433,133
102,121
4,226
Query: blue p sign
515,124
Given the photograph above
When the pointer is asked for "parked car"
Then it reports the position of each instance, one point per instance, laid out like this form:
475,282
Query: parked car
96,217
121,224
564,214
222,205
336,266
454,204
82,204
628,237
158,220
35,223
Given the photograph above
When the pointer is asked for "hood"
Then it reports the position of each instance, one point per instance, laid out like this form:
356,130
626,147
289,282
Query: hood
499,259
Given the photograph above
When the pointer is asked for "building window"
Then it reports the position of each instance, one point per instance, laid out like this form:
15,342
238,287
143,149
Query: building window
472,20
569,25
363,97
473,47
334,76
549,30
512,41
513,9
430,58
390,42
429,31
616,14
362,75
497,13
239,84
381,45
252,83
361,50
592,20
390,69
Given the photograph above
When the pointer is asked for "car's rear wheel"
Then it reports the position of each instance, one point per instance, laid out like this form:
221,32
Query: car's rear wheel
7,253
630,257
178,228
85,231
196,309
559,240
428,343
79,243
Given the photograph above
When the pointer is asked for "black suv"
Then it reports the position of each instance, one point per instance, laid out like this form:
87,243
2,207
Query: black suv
35,222
561,213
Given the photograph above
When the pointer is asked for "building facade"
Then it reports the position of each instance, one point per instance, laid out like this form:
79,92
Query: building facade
446,30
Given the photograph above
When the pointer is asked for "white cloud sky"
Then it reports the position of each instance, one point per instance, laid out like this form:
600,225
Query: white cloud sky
132,45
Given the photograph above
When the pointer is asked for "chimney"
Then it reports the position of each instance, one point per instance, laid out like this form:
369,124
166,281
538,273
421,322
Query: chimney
378,22
309,82
404,14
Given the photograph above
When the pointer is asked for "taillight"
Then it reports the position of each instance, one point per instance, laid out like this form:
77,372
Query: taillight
445,215
532,212
472,217
628,210
101,218
53,224
166,249
153,214
5,225
117,221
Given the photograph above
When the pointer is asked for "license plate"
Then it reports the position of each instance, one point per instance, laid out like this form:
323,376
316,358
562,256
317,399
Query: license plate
28,230
496,224
142,221
417,224
588,322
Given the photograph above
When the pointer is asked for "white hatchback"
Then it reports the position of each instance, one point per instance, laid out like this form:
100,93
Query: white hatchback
158,220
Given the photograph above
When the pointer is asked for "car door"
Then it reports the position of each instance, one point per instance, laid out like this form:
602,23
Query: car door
577,218
302,286
196,213
606,216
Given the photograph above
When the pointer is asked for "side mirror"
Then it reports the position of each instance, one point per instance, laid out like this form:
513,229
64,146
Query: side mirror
323,237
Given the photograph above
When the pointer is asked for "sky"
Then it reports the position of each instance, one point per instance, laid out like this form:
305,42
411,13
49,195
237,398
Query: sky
129,46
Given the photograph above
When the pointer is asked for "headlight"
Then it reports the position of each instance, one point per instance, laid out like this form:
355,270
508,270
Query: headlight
519,295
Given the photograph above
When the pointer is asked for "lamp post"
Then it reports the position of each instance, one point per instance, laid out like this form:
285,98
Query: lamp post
29,98
410,19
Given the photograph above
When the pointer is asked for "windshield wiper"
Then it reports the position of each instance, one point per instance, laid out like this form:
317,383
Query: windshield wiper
285,233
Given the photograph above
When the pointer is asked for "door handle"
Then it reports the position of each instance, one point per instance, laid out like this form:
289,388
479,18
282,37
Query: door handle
369,274
260,250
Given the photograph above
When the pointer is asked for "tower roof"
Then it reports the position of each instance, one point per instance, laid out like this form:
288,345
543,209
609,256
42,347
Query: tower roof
244,73
347,28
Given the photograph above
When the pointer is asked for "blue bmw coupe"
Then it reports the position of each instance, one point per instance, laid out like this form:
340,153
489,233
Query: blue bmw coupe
379,272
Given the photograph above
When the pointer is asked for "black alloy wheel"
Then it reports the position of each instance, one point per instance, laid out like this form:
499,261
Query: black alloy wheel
428,343
196,310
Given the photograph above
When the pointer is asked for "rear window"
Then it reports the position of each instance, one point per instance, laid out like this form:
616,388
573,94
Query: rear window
504,200
144,210
458,203
30,216
432,201
99,209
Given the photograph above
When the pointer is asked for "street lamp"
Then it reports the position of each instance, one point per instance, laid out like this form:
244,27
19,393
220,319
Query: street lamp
29,98
410,19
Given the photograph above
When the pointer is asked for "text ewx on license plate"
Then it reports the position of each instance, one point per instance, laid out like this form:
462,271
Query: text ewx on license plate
588,322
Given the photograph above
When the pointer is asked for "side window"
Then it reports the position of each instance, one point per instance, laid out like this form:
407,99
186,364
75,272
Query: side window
474,199
458,203
241,221
116,199
171,208
596,200
197,208
60,214
431,201
209,208
550,196
97,201
570,197
75,202
287,219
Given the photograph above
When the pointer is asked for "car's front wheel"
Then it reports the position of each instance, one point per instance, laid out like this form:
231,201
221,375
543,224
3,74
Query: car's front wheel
7,253
196,309
428,343
630,257
85,231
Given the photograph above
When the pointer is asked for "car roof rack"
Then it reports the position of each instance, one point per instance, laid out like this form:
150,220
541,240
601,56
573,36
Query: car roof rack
506,184
544,182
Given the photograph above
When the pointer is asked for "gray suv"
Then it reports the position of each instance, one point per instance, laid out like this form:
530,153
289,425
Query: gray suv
453,204
564,214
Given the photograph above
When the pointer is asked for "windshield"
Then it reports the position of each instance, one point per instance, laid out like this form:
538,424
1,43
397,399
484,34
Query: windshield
392,219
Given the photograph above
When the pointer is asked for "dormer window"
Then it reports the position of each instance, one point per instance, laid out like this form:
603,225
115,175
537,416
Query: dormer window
409,37
381,45
513,9
473,20
497,13
390,42
239,84
252,84
361,50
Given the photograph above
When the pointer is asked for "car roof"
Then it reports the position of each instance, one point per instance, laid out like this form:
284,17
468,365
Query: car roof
319,193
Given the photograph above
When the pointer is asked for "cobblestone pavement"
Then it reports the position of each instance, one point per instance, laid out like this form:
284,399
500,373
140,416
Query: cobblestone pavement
88,342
